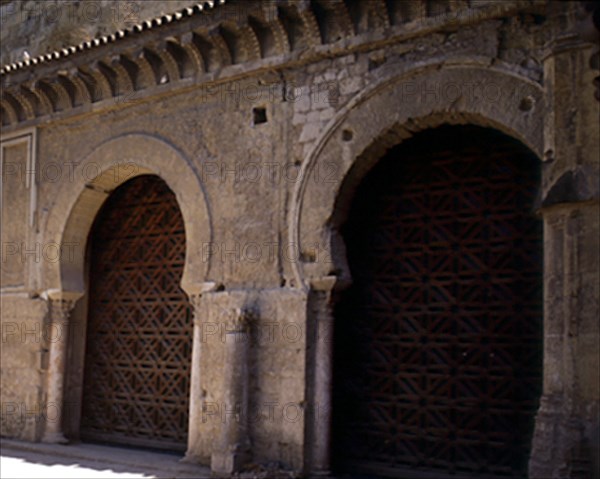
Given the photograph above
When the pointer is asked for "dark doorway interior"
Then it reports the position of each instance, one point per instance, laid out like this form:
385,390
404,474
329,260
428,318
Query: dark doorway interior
438,343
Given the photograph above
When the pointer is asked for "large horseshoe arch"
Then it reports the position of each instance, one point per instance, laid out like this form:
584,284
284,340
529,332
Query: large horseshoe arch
354,141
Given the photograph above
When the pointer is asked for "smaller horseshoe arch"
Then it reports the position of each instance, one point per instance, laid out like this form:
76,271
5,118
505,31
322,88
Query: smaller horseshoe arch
139,325
108,166
112,164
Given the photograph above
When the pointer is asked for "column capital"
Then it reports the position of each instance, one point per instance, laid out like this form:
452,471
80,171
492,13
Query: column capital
324,283
194,289
61,296
61,302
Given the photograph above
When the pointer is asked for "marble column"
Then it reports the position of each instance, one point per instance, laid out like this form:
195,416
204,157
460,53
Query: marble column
320,308
60,304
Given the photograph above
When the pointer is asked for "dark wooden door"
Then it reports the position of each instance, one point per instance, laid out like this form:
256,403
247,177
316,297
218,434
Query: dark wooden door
438,344
139,331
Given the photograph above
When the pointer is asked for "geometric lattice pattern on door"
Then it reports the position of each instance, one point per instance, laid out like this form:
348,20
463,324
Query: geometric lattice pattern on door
439,341
139,331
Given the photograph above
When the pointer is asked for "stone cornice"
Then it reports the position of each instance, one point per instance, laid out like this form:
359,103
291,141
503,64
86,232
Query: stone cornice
235,40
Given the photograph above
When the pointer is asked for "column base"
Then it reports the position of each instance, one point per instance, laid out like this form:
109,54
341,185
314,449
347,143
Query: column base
190,459
55,438
559,447
320,473
227,462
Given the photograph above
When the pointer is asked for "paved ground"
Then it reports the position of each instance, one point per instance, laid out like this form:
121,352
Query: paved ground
11,467
79,461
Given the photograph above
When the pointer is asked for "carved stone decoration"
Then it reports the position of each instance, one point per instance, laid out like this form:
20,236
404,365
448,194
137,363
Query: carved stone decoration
61,304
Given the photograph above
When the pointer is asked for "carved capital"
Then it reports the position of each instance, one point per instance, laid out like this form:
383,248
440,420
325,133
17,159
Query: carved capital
61,302
198,289
324,283
195,292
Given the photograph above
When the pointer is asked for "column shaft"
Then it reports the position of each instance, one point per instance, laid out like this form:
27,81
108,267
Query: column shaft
60,305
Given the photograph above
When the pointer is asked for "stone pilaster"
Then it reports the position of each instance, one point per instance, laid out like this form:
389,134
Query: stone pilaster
568,413
61,304
567,420
233,450
195,294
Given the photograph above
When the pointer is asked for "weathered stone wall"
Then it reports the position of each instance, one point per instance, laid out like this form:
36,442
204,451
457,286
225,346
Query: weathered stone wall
24,362
274,153
35,27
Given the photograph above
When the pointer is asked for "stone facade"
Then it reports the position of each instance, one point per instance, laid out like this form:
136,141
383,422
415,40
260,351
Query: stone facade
262,117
